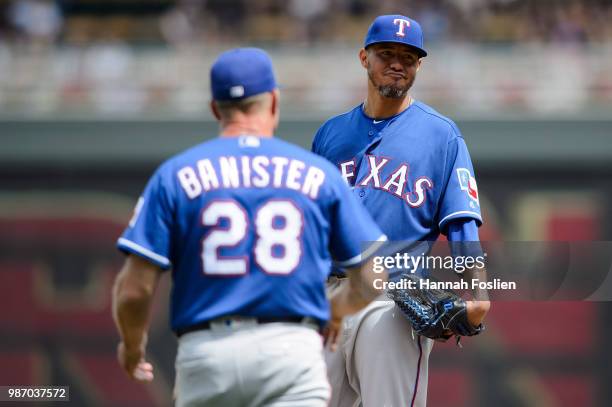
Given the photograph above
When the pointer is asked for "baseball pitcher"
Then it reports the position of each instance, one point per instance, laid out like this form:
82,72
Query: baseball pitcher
410,167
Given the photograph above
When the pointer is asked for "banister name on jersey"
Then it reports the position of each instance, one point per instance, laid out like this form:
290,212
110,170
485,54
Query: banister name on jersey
249,227
246,171
412,171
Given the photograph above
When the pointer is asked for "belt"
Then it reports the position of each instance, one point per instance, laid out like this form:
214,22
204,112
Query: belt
230,321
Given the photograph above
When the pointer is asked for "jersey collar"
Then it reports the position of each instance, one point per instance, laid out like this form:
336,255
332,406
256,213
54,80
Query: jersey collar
380,121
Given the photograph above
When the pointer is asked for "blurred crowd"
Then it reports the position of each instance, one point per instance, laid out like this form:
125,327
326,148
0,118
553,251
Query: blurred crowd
180,22
108,56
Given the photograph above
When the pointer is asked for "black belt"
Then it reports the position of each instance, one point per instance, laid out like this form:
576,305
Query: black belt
262,320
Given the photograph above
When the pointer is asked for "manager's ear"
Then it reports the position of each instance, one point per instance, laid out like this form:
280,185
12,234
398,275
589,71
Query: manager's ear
363,57
215,110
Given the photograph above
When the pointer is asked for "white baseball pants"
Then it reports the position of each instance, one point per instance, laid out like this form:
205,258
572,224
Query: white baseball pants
272,365
378,362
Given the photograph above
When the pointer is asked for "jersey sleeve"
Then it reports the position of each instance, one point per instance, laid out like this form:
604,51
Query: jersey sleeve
462,230
463,237
148,234
354,234
316,141
459,198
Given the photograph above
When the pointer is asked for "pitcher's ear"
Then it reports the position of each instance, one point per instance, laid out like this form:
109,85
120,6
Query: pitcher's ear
363,57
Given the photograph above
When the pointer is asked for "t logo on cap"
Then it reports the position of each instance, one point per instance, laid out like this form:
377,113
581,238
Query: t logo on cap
402,24
396,28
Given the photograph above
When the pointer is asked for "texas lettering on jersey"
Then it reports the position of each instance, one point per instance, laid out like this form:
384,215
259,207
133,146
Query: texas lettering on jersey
394,184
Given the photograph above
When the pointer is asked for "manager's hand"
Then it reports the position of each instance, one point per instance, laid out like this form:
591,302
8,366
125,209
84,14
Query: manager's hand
134,364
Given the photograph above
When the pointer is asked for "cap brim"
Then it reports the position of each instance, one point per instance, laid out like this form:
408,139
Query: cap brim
419,51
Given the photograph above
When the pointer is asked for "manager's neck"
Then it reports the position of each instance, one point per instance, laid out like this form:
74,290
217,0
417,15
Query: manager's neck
251,125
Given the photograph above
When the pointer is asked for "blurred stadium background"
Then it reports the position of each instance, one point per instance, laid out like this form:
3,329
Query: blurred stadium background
94,94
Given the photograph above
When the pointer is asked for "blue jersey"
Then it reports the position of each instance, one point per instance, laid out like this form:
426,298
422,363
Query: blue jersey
412,171
247,225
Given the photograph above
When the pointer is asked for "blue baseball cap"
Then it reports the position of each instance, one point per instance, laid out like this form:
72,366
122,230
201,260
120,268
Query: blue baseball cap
396,28
240,73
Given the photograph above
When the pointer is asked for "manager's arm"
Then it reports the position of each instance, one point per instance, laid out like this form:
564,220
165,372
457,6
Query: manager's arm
133,293
356,291
350,295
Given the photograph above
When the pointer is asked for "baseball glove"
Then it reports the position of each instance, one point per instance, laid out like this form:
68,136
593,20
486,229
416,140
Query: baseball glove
434,313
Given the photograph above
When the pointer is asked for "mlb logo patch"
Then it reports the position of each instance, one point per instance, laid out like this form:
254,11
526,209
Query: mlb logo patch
467,183
237,91
249,141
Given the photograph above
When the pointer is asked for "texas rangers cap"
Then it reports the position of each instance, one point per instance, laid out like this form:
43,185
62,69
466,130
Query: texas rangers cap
396,28
240,73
